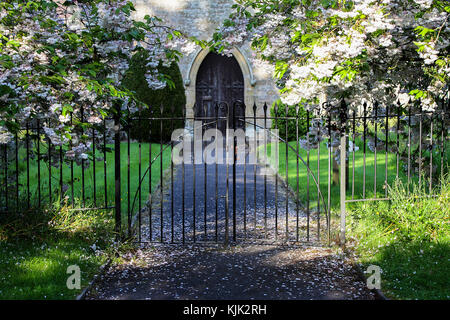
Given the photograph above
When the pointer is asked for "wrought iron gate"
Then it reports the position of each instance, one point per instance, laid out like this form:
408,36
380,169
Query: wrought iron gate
232,194
257,185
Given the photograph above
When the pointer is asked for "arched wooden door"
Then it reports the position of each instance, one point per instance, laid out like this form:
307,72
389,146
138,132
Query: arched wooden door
220,79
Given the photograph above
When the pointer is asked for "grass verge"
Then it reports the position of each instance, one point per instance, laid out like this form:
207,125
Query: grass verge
408,238
90,184
36,248
38,245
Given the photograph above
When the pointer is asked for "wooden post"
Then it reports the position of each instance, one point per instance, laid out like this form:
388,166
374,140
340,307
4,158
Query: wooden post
347,184
335,171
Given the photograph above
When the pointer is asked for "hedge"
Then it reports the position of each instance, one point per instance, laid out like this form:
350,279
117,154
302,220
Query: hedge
281,123
173,101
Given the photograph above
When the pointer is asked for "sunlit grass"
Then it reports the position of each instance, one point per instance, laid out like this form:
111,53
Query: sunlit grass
408,238
34,270
36,248
129,173
319,169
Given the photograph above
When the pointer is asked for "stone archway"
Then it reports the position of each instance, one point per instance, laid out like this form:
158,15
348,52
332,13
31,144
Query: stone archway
219,80
191,79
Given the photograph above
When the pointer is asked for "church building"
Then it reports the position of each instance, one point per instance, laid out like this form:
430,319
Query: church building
208,76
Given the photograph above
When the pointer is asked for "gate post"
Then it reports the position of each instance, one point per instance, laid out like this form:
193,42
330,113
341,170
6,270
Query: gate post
227,175
343,161
235,104
117,201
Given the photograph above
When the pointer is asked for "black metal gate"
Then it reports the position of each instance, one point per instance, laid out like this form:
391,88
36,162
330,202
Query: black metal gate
227,186
255,182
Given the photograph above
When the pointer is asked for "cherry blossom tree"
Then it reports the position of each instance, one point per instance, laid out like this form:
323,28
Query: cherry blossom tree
362,51
62,63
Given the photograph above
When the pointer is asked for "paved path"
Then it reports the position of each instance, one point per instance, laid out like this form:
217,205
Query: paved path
241,272
261,203
167,271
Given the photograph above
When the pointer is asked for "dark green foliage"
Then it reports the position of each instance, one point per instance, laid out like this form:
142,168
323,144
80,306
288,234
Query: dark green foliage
173,100
280,123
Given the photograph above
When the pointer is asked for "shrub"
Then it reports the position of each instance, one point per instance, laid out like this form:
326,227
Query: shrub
281,122
173,99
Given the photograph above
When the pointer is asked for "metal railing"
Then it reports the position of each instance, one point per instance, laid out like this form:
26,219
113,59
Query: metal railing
302,197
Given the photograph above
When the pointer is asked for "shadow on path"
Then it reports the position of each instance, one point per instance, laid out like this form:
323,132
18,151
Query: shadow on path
260,208
240,272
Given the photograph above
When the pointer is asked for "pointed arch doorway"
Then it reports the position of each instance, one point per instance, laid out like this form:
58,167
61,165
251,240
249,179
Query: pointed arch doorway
220,79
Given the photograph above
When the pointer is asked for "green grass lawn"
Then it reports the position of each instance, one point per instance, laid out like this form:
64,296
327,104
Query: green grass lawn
128,193
322,167
409,239
35,270
36,249
37,246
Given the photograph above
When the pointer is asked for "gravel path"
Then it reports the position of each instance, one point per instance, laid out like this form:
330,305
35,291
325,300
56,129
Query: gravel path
236,273
261,201
193,271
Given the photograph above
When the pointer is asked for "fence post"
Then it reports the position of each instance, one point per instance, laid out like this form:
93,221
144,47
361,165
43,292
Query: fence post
117,202
227,203
343,161
235,105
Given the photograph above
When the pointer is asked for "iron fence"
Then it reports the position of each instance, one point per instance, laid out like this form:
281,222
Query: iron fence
298,194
